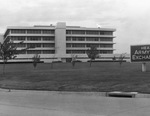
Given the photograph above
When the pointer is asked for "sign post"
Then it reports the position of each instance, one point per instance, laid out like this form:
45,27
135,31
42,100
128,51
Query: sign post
141,54
143,67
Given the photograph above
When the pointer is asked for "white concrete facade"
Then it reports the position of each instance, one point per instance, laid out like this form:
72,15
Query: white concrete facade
60,42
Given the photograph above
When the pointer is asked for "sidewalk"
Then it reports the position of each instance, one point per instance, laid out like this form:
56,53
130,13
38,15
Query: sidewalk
44,103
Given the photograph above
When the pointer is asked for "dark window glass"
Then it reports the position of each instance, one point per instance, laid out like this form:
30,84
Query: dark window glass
68,38
106,51
92,39
18,38
34,31
92,32
48,31
80,32
106,32
34,38
18,31
45,45
106,39
68,32
48,38
33,52
48,51
106,45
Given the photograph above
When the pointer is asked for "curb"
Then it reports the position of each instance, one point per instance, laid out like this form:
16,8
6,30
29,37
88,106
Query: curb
103,94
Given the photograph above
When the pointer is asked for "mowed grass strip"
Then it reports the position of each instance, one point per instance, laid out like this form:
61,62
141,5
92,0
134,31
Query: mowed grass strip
102,76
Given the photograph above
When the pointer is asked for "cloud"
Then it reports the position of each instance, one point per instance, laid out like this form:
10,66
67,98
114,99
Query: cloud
48,10
129,17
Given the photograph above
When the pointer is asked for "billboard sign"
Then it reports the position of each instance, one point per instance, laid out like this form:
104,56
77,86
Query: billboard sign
140,53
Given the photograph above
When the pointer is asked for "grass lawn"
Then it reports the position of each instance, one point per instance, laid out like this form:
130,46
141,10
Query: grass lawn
102,76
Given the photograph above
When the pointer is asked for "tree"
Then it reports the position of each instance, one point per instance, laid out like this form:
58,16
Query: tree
52,61
73,61
121,58
36,59
8,50
114,58
92,53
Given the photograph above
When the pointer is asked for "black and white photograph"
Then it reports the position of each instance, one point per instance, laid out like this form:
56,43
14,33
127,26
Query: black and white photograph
74,57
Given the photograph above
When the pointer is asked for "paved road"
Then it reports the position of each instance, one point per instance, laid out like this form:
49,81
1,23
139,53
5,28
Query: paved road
38,103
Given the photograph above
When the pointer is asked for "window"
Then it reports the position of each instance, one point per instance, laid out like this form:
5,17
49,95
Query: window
106,45
68,38
78,45
68,32
20,45
21,51
68,45
81,39
47,38
89,45
18,31
31,45
18,38
68,51
45,45
106,39
92,32
74,39
78,52
48,31
106,33
106,51
32,31
75,51
92,39
37,45
34,38
80,32
78,39
33,52
48,51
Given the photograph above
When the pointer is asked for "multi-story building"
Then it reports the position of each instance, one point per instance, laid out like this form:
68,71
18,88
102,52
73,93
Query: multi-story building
60,42
1,38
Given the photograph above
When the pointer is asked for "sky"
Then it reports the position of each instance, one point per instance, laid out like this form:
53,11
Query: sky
130,18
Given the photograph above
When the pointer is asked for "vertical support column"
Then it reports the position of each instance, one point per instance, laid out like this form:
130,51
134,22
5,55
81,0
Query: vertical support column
25,43
143,67
60,39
